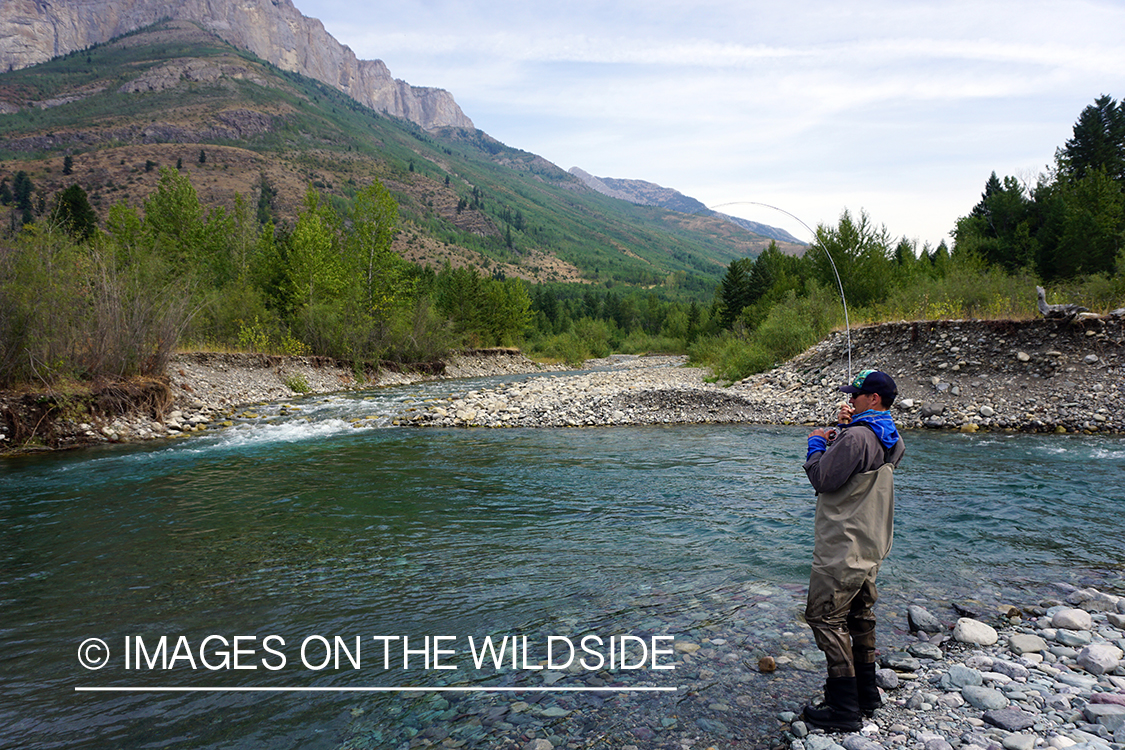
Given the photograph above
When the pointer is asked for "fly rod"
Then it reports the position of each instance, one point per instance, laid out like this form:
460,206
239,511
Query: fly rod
839,284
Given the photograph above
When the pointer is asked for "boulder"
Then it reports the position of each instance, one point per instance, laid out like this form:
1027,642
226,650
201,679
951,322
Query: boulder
1072,619
1099,658
1025,643
968,630
920,619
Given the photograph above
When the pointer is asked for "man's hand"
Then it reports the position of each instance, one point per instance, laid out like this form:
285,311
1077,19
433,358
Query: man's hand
819,432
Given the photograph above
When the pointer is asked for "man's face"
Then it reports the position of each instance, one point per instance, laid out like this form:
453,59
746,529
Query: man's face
864,401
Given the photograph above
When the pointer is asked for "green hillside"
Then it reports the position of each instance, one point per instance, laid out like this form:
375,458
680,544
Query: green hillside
174,95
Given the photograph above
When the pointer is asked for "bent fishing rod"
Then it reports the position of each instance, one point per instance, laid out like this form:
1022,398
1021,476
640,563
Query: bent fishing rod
839,284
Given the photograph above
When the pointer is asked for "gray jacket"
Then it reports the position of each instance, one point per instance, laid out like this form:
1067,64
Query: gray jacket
855,451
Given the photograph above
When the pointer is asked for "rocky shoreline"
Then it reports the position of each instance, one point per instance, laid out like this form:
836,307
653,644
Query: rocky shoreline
1029,376
1034,376
1049,675
974,674
203,390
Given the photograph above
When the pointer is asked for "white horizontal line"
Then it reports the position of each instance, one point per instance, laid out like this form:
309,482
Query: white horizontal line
371,689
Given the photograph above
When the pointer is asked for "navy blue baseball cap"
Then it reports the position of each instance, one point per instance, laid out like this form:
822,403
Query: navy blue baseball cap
873,381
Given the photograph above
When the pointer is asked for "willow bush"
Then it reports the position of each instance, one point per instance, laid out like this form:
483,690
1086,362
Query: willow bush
81,310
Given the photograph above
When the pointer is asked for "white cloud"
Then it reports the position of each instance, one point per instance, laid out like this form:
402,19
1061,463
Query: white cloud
900,108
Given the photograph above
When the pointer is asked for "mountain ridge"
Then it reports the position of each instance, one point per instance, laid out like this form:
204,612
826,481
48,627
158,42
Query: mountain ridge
277,32
645,193
32,32
238,127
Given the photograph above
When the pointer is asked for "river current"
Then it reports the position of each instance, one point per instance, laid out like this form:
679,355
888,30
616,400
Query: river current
304,527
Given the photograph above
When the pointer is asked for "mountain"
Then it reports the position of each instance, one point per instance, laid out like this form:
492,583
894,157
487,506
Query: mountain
33,31
650,194
175,95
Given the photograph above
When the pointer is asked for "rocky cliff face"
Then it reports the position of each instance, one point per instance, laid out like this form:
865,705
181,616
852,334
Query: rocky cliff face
33,31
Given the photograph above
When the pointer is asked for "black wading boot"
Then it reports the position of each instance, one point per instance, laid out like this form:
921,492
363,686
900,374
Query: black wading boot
867,689
840,710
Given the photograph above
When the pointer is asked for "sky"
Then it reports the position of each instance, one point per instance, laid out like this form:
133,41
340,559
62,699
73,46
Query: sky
896,108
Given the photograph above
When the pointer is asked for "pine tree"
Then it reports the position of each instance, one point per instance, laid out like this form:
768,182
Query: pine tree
1098,141
734,291
74,213
22,188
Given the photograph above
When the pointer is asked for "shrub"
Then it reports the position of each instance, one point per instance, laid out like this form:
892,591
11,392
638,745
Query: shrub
85,311
792,325
296,383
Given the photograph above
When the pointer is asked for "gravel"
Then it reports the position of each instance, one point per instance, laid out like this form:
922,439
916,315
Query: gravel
1030,376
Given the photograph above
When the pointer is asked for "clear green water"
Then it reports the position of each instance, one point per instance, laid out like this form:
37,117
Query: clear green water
299,528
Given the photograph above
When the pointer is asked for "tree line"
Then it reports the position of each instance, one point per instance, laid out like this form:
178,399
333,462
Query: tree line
1072,221
1067,232
85,301
81,301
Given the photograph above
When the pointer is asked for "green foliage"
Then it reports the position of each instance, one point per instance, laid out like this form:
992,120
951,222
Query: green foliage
1099,292
118,302
734,290
315,268
297,383
483,311
74,214
22,188
860,252
1072,223
1098,141
729,356
253,336
968,289
374,224
85,310
588,339
792,325
998,229
1085,228
266,195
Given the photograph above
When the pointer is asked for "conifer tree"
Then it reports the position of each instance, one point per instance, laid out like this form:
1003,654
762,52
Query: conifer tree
1098,141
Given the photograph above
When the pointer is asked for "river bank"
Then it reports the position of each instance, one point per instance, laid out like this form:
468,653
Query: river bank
203,390
1032,376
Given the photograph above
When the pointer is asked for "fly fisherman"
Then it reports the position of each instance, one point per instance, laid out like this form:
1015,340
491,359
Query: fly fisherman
851,467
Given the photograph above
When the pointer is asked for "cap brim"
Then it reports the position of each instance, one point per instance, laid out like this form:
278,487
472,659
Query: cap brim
850,389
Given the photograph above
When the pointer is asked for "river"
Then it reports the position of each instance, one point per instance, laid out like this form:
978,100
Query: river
303,527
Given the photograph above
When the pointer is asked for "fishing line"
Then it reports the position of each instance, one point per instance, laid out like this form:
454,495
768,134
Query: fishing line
839,284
